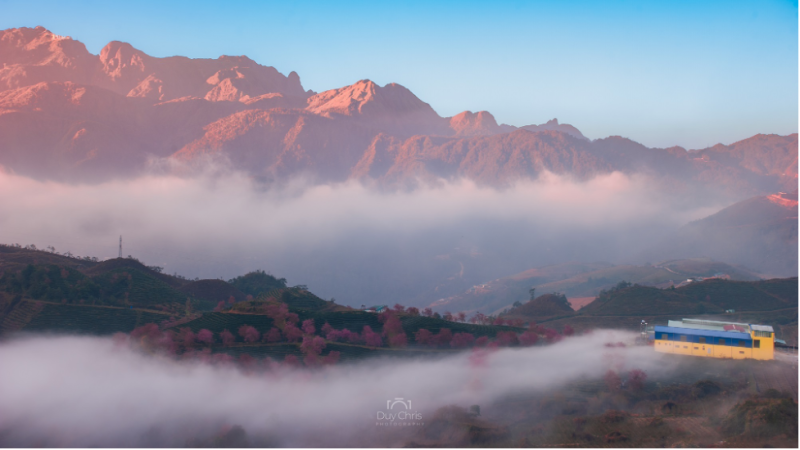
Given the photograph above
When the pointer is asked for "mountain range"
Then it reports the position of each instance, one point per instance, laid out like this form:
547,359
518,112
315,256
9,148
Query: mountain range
69,115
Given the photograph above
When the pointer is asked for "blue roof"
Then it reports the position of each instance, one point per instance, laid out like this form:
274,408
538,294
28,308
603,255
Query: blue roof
709,333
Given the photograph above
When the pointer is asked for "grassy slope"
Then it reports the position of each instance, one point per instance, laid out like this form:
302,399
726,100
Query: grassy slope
585,281
770,302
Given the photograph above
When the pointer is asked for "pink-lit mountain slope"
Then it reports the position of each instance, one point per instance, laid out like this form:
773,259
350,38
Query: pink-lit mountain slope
760,232
66,114
33,55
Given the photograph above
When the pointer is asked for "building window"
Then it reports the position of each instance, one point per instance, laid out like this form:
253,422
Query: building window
756,343
765,334
722,342
664,336
701,340
683,338
741,344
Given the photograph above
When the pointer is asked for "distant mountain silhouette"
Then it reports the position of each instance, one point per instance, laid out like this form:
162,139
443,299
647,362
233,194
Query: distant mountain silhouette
760,232
69,115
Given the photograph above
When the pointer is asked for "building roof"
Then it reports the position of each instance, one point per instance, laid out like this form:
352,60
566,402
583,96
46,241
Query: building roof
709,333
762,328
680,324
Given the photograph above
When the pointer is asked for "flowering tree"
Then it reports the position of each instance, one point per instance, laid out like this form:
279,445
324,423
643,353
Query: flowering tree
568,331
506,338
478,318
326,328
277,313
427,312
443,337
186,337
499,321
528,338
393,330
249,334
311,348
308,326
399,308
398,340
372,338
482,341
412,311
150,331
462,340
205,336
220,306
392,325
227,338
291,332
448,316
273,335
292,318
423,337
551,335
351,336
461,317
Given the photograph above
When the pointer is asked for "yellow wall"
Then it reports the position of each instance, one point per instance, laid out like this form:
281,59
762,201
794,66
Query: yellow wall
716,351
767,349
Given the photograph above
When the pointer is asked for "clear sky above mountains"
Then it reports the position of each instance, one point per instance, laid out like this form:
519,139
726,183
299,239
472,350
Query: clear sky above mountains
674,73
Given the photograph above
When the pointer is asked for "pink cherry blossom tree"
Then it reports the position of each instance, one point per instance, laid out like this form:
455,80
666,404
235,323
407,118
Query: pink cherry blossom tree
308,326
462,340
227,338
292,333
371,338
273,335
249,334
205,336
423,337
528,338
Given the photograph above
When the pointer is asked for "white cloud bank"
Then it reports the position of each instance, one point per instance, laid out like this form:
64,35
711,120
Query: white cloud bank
85,392
224,224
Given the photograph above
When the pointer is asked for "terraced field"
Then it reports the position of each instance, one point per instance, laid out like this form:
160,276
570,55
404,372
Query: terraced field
94,320
217,322
21,313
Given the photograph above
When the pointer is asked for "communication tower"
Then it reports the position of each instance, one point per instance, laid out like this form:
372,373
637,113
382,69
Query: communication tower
120,246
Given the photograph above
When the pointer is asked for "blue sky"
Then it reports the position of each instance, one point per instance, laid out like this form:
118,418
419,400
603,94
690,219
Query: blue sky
670,73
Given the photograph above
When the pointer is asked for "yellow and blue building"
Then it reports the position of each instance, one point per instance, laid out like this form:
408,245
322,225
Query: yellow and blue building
713,339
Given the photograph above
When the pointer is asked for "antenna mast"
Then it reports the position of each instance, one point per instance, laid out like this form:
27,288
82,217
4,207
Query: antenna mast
120,246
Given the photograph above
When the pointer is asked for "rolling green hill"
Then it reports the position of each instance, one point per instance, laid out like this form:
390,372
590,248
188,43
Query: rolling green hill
770,302
122,282
584,280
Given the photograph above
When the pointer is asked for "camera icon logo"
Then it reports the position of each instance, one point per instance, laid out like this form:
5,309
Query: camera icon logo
390,404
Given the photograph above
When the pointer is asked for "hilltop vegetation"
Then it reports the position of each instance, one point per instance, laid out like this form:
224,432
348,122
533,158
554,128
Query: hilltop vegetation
586,280
41,291
772,302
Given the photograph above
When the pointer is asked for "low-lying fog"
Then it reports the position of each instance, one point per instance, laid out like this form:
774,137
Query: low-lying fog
86,392
348,241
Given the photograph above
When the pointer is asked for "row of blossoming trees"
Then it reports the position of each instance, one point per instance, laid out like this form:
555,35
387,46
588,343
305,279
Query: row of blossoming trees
287,328
476,319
